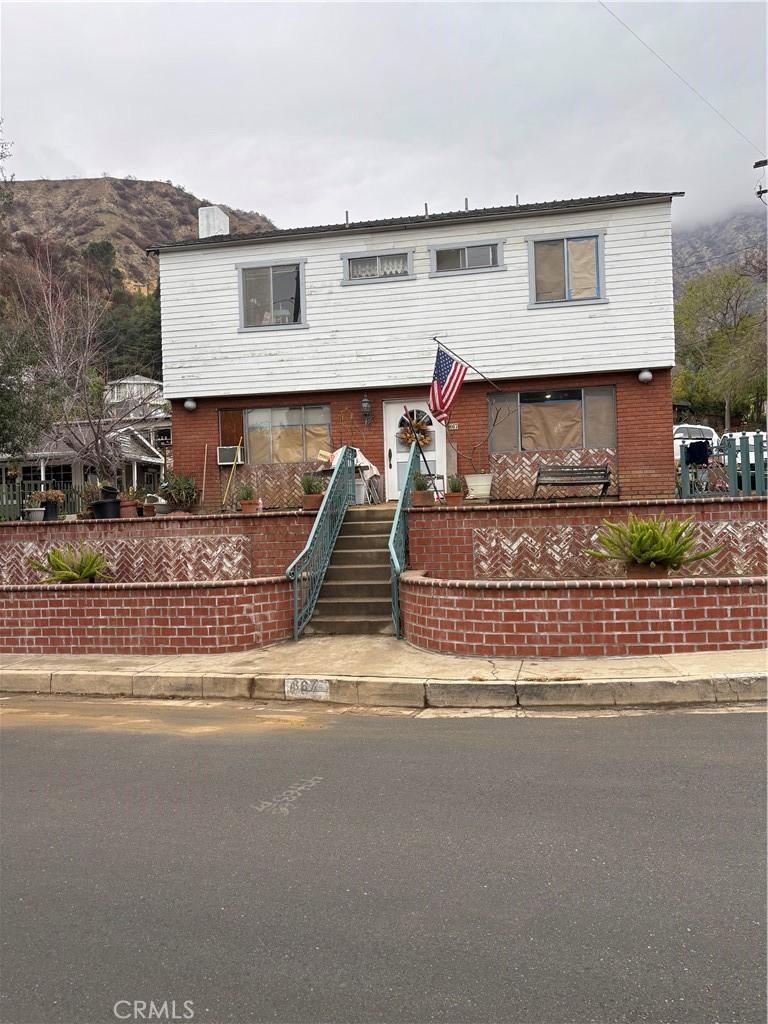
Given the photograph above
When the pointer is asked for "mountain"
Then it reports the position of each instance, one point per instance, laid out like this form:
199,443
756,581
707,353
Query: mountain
718,244
131,214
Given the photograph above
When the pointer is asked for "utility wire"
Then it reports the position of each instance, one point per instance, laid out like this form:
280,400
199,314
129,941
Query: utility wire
683,80
720,256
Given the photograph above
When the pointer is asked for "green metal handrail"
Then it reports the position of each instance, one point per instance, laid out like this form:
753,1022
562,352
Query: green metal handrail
398,536
307,571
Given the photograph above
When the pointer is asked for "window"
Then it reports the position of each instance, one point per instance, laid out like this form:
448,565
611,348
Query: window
360,268
278,435
553,420
566,269
271,296
467,259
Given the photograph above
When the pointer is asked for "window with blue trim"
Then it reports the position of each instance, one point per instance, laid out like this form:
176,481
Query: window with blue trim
566,269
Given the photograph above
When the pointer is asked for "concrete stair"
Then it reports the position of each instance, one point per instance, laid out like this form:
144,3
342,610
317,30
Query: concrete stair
356,595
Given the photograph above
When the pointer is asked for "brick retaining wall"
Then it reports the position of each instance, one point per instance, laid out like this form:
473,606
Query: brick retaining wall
165,548
145,618
548,540
591,618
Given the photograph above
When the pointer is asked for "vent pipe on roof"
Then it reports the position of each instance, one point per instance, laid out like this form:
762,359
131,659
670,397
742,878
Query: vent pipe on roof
346,217
517,200
211,220
426,210
466,202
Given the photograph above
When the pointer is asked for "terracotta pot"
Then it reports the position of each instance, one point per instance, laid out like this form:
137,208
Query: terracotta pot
454,498
128,509
149,510
636,571
422,499
249,507
312,502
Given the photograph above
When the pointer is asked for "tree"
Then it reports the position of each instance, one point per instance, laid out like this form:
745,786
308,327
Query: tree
100,261
720,331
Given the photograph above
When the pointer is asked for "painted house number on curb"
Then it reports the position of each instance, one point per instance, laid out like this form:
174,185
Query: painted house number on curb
307,689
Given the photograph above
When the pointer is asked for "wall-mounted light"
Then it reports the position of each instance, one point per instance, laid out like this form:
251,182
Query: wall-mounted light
190,404
645,376
366,409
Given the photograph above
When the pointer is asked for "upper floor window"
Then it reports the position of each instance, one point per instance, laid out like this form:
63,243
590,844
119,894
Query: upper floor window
467,259
271,295
566,269
553,420
376,266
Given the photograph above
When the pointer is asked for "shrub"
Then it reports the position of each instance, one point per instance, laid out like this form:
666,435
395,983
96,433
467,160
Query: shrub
245,492
179,490
311,484
52,495
71,565
656,541
420,482
456,484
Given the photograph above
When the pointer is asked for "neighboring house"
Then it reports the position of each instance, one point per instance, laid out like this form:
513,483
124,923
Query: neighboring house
144,432
300,340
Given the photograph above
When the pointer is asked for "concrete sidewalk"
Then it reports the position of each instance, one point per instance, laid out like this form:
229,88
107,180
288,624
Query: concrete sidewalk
381,671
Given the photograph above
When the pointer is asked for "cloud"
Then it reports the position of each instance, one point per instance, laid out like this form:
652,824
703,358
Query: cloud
303,111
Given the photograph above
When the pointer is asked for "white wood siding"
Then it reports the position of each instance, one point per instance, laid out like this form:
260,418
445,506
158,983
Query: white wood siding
380,334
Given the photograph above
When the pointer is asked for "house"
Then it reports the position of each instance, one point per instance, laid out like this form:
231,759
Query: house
142,431
299,340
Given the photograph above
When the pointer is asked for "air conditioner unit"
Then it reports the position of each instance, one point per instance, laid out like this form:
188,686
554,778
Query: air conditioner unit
229,455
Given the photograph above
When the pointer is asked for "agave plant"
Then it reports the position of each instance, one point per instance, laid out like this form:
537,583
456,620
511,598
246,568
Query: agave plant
654,542
72,565
311,484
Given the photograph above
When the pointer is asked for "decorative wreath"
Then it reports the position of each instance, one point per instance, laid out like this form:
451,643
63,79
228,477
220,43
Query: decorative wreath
414,429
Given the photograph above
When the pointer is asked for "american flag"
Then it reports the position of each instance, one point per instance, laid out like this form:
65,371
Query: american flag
446,381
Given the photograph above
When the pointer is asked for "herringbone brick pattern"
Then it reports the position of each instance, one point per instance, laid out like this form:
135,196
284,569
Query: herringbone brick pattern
514,475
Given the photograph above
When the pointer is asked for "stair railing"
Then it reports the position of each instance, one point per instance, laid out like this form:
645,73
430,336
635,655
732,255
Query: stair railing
398,536
307,570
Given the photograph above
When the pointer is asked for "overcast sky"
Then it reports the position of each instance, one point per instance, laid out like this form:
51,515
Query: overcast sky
303,111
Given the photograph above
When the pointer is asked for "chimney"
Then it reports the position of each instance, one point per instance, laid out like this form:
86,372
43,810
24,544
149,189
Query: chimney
212,220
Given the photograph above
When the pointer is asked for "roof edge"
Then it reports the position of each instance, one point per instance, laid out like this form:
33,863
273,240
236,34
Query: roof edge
418,222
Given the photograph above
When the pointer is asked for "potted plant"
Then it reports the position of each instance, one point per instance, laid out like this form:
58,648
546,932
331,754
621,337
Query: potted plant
129,503
421,496
455,493
650,547
180,491
49,500
72,565
33,510
150,502
246,496
479,485
107,505
312,486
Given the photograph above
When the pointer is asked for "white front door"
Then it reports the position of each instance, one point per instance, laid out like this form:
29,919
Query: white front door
396,450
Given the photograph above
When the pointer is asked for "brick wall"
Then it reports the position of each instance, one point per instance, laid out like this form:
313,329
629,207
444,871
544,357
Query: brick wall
458,543
151,618
582,618
162,548
644,428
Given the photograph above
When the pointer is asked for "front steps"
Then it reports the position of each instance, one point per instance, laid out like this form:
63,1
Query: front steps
356,596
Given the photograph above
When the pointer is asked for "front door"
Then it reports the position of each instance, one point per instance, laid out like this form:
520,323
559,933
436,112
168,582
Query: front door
396,449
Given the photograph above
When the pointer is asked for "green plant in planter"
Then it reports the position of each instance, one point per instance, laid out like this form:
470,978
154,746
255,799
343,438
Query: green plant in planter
245,492
311,484
456,484
53,496
72,565
420,482
179,490
655,542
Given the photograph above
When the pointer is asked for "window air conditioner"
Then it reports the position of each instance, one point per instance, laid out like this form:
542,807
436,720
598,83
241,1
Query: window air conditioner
229,455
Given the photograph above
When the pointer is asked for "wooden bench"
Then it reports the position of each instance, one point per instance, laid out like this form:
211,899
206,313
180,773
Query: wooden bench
574,476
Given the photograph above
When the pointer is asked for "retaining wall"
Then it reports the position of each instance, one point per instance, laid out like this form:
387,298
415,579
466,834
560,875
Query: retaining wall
593,618
549,540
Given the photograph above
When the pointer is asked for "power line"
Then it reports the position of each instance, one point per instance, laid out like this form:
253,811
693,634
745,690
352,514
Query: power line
683,80
720,256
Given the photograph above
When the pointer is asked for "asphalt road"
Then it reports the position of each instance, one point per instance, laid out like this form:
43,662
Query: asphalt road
538,870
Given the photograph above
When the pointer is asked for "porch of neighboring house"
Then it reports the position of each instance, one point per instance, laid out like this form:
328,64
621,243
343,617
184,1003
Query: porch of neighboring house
57,467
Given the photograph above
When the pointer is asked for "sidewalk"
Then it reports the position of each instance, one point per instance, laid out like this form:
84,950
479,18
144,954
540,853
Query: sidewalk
384,672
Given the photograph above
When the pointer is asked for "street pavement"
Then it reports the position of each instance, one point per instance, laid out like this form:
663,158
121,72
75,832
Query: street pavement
254,863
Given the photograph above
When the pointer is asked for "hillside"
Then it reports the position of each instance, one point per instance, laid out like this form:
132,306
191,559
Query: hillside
131,214
693,250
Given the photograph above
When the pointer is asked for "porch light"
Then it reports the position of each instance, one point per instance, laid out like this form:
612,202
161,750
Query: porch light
366,409
190,404
645,376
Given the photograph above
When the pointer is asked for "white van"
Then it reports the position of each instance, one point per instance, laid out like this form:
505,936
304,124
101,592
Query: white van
684,433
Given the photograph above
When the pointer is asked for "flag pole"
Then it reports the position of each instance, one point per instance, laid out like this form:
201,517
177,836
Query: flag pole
441,344
429,475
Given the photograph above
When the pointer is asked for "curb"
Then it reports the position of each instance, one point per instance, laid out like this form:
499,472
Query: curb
380,691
